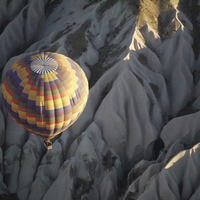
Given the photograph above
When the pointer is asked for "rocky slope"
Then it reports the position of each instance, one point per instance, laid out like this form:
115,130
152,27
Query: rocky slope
138,137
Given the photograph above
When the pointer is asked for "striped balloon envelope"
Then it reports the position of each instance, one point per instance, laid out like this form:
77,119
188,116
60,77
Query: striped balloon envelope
45,93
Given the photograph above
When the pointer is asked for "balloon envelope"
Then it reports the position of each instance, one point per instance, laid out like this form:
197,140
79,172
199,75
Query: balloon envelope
45,93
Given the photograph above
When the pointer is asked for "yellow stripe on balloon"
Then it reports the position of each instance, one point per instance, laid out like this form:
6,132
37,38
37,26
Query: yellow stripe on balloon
22,114
9,97
49,77
50,126
32,95
49,105
65,101
40,101
22,74
15,107
14,66
30,120
27,88
40,124
57,103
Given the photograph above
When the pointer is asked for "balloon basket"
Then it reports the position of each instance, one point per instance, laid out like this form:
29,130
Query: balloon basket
48,145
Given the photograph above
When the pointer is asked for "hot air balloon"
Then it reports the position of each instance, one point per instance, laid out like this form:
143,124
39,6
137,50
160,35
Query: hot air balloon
45,93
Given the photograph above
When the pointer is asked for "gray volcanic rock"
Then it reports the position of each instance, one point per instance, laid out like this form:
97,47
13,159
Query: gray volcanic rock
138,137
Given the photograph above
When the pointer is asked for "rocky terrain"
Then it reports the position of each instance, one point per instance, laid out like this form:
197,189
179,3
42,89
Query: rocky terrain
139,135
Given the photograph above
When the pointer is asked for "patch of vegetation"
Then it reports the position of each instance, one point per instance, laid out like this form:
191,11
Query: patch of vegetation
63,32
134,5
130,29
155,90
109,160
50,6
91,2
135,173
118,51
188,109
166,118
166,28
109,50
143,60
76,42
105,6
151,104
115,31
192,10
81,187
105,91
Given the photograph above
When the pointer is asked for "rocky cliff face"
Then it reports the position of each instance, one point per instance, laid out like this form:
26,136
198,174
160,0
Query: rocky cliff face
138,137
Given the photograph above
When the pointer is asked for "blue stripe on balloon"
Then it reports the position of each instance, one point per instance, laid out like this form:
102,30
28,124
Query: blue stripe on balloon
30,104
40,109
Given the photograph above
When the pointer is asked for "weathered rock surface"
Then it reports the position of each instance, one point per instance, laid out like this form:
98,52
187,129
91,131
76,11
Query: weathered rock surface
138,137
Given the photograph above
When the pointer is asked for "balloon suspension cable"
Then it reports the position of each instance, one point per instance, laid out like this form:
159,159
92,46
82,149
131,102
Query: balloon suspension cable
48,144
